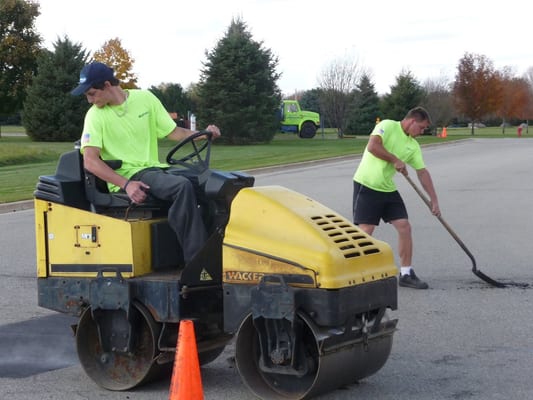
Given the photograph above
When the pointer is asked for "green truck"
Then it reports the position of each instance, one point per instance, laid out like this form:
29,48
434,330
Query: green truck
294,120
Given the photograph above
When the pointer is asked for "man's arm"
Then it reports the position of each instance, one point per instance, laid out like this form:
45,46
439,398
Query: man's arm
92,162
427,183
179,133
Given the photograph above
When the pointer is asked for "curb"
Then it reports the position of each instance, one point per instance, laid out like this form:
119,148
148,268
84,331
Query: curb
16,206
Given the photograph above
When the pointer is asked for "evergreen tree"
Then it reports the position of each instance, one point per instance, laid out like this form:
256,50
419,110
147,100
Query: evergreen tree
238,89
365,107
50,112
407,93
310,100
173,98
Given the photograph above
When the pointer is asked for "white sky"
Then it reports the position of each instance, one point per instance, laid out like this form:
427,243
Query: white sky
168,38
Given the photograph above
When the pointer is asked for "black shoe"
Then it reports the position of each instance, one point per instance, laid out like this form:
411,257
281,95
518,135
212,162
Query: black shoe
412,281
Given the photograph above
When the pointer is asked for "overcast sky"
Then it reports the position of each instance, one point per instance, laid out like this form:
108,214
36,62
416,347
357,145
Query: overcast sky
168,38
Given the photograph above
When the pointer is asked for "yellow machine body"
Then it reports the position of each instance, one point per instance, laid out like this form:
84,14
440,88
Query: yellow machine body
303,290
77,243
274,230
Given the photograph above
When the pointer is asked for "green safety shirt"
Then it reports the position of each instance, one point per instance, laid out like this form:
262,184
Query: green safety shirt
128,132
377,174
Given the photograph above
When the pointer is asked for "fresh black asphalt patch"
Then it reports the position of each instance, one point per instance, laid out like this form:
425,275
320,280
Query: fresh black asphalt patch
38,345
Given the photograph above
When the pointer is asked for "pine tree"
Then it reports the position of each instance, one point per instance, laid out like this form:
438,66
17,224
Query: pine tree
407,93
310,100
50,112
365,107
238,89
173,98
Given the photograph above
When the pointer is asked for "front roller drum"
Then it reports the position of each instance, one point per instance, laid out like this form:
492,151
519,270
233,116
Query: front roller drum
322,370
119,370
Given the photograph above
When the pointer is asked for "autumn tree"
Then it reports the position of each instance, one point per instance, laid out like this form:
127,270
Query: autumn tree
336,82
477,89
405,94
117,57
528,77
438,101
238,89
50,111
523,99
19,50
528,113
514,96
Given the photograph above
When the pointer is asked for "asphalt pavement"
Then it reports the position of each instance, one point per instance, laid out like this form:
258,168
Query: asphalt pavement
461,339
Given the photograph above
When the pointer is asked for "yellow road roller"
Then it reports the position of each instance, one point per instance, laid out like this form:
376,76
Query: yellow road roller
302,291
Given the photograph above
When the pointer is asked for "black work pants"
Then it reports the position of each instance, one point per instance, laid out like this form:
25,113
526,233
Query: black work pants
184,215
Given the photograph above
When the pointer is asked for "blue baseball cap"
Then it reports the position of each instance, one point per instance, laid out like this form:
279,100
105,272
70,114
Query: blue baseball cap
91,75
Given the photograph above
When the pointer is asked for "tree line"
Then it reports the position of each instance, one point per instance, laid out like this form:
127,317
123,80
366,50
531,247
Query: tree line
238,87
347,99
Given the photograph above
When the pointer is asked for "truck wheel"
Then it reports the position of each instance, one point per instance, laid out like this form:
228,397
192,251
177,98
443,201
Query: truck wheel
308,130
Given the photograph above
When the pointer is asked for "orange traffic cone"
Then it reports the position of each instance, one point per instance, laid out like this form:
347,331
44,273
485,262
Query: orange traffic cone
186,383
443,134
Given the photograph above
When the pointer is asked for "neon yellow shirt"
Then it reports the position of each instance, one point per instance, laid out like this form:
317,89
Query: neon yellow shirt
378,174
128,132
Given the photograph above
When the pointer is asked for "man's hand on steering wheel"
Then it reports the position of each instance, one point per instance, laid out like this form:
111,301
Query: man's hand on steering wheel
214,130
195,160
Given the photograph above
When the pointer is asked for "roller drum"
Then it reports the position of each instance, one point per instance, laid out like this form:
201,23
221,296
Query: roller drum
328,366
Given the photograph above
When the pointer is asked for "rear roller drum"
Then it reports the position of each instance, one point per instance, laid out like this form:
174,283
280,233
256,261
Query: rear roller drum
114,370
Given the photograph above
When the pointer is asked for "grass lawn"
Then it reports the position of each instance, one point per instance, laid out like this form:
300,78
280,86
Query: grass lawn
23,161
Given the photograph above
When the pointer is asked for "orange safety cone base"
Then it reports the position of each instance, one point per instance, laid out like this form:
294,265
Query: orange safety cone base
186,383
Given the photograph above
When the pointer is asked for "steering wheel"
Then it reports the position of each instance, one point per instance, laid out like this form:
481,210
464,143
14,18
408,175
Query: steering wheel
194,160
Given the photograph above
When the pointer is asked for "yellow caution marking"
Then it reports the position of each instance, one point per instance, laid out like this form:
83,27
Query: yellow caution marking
204,276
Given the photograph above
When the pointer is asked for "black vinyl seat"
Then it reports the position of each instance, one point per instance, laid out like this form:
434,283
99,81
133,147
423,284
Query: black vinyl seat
74,186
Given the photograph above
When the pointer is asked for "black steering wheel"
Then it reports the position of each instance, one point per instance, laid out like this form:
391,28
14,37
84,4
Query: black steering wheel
195,160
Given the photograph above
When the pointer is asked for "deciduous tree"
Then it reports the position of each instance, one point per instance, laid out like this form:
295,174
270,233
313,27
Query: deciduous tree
513,92
19,50
337,82
476,90
117,57
438,101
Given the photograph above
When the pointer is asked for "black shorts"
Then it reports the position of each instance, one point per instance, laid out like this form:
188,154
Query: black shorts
370,206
